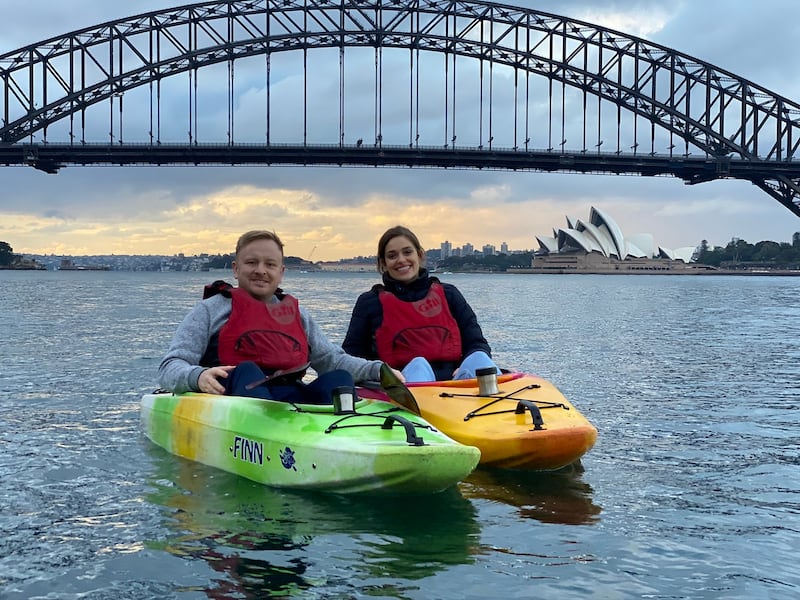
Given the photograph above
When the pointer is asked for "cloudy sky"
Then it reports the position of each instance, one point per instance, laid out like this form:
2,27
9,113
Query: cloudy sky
341,212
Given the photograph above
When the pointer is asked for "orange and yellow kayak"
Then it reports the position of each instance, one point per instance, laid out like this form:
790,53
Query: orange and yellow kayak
528,424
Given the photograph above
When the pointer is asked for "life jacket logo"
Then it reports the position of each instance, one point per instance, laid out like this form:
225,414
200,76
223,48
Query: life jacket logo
282,312
430,306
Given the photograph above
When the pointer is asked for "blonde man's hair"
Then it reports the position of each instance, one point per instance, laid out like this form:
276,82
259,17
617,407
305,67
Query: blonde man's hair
257,234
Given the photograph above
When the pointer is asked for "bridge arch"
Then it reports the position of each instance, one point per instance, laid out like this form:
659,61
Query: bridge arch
713,123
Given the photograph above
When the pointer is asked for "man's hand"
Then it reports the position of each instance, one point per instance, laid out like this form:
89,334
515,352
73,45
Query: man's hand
209,380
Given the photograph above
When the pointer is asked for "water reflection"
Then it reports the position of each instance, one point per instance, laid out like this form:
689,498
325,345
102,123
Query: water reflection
550,497
273,542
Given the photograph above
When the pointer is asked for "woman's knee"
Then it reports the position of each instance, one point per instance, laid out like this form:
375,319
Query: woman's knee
476,360
418,370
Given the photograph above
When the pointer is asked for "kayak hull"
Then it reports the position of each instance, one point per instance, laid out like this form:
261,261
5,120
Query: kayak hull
379,449
504,425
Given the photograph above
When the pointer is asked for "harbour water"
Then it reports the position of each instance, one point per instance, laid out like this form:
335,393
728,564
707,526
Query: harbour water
692,491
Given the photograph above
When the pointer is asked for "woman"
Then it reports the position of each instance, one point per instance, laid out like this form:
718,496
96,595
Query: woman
254,340
413,321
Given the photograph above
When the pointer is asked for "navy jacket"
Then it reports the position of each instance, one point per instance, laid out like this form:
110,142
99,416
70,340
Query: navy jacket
368,315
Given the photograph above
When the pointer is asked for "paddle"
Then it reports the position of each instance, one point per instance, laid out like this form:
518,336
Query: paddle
279,373
397,390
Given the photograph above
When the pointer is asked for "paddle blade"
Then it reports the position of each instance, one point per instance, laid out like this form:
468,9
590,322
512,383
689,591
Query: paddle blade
397,391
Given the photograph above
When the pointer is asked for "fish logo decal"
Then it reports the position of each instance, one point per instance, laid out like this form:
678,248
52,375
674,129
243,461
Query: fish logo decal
287,458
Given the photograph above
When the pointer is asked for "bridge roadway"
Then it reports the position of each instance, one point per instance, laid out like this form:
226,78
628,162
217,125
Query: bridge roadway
52,156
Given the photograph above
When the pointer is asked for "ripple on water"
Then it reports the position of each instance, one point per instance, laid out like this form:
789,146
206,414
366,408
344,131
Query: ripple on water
690,492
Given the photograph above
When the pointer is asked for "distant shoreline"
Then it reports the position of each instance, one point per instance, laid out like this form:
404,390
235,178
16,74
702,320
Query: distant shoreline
689,272
23,268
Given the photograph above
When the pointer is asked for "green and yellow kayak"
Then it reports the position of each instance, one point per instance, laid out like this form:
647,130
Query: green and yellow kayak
377,448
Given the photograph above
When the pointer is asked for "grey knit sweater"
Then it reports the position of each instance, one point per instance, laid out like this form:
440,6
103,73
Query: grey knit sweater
180,369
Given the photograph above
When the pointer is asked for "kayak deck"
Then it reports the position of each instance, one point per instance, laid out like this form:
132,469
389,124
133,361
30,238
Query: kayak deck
376,449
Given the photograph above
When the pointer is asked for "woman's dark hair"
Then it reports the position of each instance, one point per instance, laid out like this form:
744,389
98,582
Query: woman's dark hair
389,235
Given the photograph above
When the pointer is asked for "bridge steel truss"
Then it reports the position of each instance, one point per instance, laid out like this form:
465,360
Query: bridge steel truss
715,123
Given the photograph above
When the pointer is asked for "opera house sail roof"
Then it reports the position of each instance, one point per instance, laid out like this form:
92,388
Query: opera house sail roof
601,235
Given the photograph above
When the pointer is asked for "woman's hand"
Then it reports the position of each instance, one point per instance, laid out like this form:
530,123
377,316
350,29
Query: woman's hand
209,380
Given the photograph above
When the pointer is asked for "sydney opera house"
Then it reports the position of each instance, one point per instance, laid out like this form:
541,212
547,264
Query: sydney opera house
598,245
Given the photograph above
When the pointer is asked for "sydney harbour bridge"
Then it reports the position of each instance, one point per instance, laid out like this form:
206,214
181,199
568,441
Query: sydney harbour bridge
395,83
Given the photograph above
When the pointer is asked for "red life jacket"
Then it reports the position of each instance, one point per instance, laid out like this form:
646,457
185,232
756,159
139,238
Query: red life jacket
271,335
423,328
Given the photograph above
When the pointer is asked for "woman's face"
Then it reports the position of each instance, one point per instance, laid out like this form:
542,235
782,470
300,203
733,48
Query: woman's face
401,259
259,268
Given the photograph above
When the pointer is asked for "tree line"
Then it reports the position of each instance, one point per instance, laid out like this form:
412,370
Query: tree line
7,256
739,253
491,263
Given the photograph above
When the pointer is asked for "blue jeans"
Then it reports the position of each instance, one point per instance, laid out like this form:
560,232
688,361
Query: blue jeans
318,391
419,369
